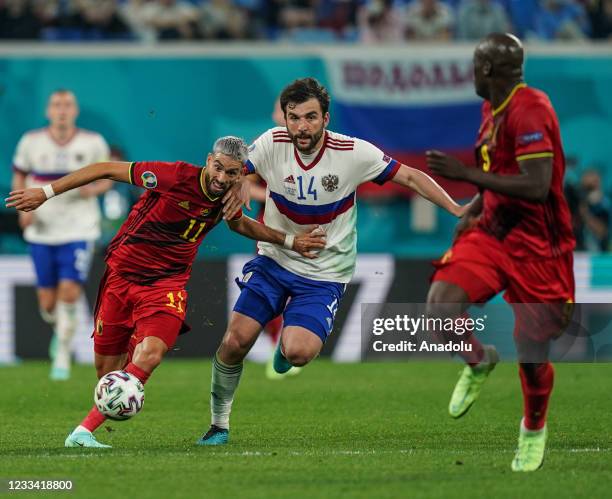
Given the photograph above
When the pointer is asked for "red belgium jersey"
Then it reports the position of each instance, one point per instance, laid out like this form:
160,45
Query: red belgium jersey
524,126
160,238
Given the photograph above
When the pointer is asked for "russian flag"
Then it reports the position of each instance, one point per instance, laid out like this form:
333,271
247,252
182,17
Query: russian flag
407,105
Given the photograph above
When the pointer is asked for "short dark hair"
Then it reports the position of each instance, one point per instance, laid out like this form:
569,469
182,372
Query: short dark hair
302,90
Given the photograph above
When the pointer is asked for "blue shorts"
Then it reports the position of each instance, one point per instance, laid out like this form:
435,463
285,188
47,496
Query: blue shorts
54,263
266,287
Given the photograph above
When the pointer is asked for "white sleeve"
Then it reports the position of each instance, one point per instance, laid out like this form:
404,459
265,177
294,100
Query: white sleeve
102,152
260,155
373,164
21,159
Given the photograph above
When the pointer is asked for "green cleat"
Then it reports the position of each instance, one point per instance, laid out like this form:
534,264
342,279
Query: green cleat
84,439
470,383
530,453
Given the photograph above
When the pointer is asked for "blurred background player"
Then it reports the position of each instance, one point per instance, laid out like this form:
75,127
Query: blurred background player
312,175
61,234
142,299
522,242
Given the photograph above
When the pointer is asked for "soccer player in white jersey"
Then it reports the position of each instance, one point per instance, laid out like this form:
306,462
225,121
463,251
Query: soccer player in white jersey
311,175
61,233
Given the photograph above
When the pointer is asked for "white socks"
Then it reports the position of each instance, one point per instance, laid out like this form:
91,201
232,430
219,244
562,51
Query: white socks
65,327
222,387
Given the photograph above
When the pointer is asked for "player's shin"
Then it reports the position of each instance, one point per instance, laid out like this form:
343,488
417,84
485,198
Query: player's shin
537,383
225,379
66,325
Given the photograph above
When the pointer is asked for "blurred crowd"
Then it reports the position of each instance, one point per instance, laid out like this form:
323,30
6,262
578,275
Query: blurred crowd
319,21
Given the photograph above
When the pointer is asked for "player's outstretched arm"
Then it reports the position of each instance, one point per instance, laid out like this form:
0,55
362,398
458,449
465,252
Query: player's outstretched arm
306,244
532,184
428,188
30,199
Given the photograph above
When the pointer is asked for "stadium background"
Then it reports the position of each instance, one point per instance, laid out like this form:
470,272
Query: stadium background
171,103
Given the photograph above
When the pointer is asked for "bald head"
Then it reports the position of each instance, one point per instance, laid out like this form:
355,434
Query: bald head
498,59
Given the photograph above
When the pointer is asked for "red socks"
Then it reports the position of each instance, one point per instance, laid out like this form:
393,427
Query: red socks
537,384
95,418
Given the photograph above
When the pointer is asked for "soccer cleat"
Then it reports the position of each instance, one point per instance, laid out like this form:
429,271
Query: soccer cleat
214,436
273,375
84,439
59,374
530,453
53,347
470,383
280,363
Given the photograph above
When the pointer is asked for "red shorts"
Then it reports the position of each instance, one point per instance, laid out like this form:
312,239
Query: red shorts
125,310
479,265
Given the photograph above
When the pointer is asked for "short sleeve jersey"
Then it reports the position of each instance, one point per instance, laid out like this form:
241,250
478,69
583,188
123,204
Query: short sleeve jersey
69,217
525,126
160,238
320,190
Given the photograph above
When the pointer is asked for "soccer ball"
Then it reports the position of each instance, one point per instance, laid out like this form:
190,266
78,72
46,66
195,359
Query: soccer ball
119,395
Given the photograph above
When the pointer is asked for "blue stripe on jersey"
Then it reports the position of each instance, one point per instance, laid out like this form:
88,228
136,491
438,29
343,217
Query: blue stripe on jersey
312,214
387,173
250,167
48,176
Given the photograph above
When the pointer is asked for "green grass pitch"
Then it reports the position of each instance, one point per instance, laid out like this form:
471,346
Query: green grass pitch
354,430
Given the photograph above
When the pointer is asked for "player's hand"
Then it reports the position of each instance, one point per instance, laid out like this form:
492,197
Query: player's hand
26,199
444,165
309,243
237,195
25,219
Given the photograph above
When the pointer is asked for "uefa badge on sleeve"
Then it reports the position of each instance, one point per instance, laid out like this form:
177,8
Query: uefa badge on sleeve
149,180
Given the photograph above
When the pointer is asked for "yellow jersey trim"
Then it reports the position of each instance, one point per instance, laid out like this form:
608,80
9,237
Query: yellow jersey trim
535,155
504,104
203,186
131,173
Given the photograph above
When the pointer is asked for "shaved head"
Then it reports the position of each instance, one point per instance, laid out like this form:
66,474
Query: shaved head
497,58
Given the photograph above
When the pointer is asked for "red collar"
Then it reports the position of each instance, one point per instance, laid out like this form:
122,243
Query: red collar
314,161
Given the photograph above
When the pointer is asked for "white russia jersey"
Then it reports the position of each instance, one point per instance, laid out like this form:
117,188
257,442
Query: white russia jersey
317,190
67,217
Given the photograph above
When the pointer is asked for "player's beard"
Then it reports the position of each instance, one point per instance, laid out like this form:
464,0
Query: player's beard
214,189
314,140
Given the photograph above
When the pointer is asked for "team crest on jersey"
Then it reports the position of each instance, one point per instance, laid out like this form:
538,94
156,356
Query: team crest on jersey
330,182
149,180
205,211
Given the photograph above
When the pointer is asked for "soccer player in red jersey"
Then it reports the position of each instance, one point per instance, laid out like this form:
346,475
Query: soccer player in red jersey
142,294
516,236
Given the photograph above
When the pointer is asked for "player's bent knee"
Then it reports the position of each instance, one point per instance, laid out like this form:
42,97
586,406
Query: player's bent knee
298,357
235,343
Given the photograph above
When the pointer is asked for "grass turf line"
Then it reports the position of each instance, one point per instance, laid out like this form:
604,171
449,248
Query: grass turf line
349,430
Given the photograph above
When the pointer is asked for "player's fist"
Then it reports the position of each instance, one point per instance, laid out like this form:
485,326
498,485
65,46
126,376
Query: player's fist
26,199
445,165
309,243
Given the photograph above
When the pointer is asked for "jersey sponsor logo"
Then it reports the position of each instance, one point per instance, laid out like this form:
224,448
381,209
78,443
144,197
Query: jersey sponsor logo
330,182
530,138
289,180
184,204
149,180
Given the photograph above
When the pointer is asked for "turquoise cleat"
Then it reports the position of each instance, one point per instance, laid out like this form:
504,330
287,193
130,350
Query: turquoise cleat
53,347
280,363
59,374
84,439
214,436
